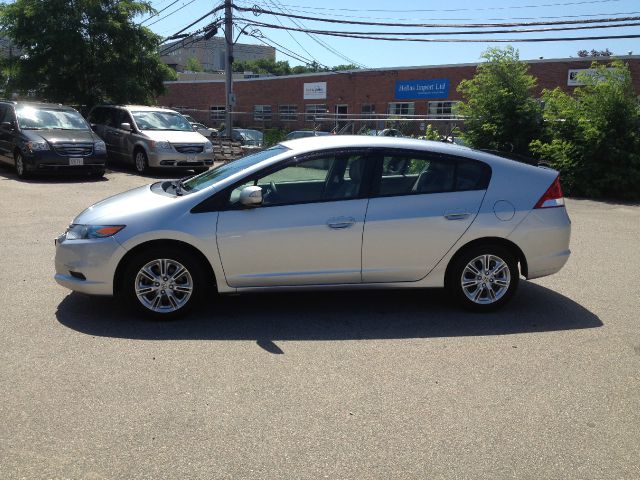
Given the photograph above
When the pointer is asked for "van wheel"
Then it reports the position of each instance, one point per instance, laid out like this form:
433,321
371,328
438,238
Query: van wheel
141,161
483,278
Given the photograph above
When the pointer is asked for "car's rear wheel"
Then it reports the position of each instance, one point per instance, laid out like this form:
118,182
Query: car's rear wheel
163,283
21,168
484,278
141,161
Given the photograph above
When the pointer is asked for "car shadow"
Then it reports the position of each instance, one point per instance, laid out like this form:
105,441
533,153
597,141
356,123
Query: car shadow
7,172
353,315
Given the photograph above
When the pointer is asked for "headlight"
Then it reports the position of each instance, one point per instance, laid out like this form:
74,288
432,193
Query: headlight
100,147
208,147
82,232
161,145
37,146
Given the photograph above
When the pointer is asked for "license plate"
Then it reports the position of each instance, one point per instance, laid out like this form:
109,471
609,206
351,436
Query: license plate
191,158
76,161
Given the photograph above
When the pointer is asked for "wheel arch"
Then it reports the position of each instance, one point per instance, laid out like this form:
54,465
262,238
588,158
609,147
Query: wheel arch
209,274
497,241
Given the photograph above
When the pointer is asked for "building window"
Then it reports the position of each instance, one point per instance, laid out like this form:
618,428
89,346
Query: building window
313,110
217,112
288,113
402,108
441,109
262,112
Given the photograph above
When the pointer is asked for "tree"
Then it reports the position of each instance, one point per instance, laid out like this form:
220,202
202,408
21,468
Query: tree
500,109
282,67
84,52
592,137
193,65
595,53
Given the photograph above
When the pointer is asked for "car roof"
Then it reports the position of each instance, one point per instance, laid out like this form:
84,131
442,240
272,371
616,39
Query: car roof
56,106
142,108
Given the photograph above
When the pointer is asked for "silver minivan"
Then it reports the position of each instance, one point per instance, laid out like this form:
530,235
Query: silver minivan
151,137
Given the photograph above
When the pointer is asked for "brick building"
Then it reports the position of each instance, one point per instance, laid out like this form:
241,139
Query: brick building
353,100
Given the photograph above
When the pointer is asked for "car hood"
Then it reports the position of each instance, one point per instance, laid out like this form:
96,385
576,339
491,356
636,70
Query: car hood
174,136
136,204
55,136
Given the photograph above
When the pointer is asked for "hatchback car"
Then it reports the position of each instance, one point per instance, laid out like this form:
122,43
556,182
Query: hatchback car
339,211
45,137
151,137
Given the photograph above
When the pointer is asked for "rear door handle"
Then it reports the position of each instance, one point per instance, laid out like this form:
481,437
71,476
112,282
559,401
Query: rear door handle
456,216
341,222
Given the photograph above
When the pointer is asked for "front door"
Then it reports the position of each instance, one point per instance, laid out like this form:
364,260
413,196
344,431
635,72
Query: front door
308,230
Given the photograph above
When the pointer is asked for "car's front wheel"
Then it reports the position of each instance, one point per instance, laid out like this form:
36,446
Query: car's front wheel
141,161
163,283
21,168
484,278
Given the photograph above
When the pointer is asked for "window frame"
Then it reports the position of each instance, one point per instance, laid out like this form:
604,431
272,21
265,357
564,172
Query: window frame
262,113
311,116
411,109
215,115
288,116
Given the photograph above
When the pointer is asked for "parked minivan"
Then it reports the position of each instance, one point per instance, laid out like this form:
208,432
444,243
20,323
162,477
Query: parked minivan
151,137
46,137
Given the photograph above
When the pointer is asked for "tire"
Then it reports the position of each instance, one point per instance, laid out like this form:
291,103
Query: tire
198,171
20,165
98,173
159,296
483,278
141,161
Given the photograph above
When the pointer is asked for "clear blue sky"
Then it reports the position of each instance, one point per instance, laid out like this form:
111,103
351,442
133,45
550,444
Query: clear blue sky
395,54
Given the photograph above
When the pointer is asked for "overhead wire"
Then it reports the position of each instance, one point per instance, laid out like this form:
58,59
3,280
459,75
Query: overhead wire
159,12
172,13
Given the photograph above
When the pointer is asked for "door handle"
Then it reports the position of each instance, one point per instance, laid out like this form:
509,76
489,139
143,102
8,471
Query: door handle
341,222
456,216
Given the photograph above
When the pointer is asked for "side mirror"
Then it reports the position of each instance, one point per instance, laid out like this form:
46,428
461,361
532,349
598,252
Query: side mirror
251,196
125,126
94,127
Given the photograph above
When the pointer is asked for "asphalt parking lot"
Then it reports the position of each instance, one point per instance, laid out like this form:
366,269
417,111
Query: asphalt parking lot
306,386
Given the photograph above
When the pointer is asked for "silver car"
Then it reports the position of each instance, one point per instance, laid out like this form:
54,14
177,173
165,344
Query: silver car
325,212
151,137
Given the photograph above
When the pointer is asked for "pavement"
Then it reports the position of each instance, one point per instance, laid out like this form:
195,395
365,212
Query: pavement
351,385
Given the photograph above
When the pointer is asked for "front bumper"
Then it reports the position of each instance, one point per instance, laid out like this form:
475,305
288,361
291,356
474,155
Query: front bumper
87,266
181,160
50,161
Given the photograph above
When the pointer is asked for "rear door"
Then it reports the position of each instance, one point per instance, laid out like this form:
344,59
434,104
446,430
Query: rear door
423,203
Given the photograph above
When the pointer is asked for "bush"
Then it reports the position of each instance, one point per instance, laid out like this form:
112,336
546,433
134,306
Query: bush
592,137
273,136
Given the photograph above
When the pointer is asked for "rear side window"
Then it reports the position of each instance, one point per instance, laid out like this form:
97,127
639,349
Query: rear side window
99,115
415,174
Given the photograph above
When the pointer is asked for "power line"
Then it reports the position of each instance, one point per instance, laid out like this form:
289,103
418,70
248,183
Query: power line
258,11
456,32
169,14
159,12
293,38
211,12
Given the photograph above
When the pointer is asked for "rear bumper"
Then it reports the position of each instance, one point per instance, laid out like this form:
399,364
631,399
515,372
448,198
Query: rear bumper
543,236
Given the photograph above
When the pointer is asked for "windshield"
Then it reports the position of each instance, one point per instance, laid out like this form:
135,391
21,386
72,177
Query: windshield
39,118
151,120
225,171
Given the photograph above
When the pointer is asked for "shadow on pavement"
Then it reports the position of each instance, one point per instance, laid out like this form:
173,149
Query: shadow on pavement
355,315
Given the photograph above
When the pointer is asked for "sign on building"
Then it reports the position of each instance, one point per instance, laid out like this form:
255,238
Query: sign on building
573,76
417,89
315,91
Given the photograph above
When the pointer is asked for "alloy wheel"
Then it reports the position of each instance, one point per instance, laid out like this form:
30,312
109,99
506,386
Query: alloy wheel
163,285
485,279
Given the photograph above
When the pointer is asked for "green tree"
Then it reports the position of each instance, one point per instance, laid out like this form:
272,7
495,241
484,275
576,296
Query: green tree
193,65
85,51
592,137
282,67
500,109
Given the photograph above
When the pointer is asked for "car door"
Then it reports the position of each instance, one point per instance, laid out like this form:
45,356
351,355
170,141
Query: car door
6,136
308,230
423,204
114,136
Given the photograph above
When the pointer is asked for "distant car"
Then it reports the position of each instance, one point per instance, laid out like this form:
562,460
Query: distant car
45,137
246,136
151,137
387,132
339,211
204,130
304,133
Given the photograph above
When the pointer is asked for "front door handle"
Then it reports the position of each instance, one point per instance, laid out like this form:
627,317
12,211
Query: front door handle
341,222
456,216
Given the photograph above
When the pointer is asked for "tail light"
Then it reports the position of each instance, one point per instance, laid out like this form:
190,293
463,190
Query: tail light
553,197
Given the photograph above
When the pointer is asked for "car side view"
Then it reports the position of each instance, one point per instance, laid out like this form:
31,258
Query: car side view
325,212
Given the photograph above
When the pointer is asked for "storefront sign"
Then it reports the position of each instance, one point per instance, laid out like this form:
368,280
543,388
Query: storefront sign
315,91
416,89
572,77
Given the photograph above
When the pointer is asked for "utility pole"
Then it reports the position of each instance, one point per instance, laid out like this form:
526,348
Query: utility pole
228,66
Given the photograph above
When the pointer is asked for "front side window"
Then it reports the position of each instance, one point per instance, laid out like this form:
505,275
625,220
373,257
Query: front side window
42,118
327,178
152,120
